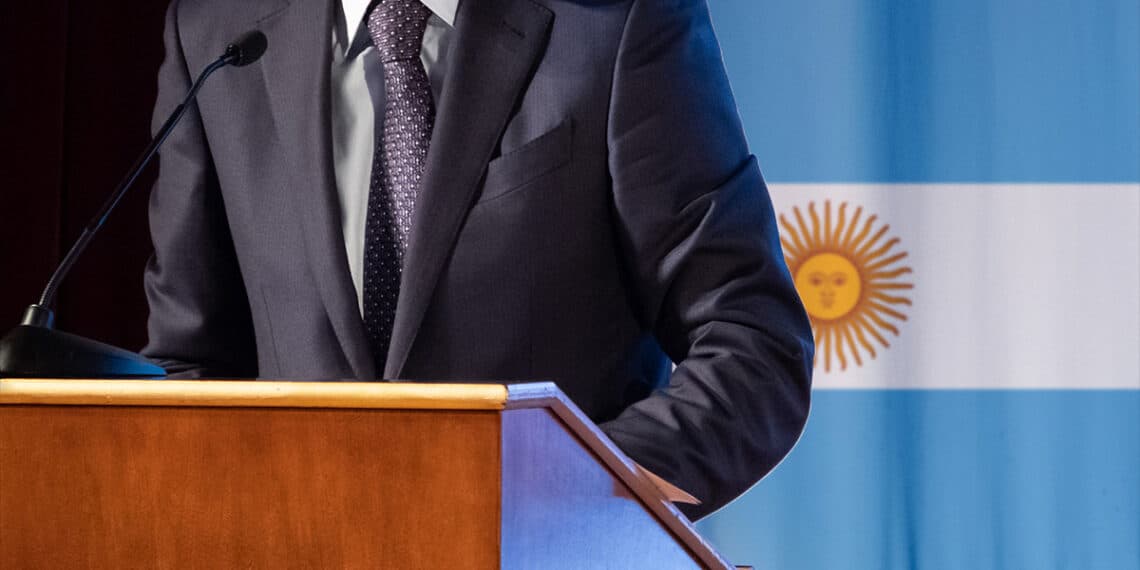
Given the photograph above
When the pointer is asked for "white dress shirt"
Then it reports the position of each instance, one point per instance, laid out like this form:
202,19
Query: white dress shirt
357,89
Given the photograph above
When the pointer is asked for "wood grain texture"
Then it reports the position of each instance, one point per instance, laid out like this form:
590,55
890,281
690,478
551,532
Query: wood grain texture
200,487
372,395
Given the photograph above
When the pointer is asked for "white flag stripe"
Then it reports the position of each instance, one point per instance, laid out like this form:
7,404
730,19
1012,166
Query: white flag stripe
1015,285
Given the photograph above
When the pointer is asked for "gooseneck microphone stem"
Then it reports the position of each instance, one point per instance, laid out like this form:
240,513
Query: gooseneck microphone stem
244,51
47,299
34,349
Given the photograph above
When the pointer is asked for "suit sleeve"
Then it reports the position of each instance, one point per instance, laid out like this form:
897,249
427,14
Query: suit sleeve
699,236
199,322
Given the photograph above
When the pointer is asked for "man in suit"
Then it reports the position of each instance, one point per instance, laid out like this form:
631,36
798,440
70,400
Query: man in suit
554,190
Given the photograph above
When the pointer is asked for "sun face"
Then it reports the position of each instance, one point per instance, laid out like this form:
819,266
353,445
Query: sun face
829,285
850,281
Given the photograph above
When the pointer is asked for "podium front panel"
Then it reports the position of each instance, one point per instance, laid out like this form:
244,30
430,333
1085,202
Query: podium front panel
166,487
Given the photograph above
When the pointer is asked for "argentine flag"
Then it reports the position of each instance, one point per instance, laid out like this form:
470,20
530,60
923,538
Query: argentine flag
958,191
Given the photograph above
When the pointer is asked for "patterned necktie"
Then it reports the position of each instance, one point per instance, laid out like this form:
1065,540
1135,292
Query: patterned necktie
397,30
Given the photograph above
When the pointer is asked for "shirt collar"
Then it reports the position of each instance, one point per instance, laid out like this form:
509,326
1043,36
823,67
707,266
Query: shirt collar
354,11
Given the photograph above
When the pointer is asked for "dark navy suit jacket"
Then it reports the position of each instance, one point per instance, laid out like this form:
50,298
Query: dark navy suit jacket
590,214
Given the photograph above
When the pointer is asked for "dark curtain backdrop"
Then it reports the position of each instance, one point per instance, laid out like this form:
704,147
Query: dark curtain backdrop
76,96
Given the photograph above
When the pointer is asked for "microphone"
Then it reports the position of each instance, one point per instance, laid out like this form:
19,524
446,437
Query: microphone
246,49
34,349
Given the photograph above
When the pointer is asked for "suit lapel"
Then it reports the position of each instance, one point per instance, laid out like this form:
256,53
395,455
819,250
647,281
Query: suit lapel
496,46
296,70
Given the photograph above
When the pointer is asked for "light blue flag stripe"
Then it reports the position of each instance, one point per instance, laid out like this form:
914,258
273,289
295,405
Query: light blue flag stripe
936,479
937,91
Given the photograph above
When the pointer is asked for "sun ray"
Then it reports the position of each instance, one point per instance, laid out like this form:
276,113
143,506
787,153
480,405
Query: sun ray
833,239
862,237
837,338
890,299
846,245
886,247
851,343
876,318
804,231
880,275
894,286
827,222
886,310
814,222
862,251
888,261
790,251
858,325
791,233
824,345
865,324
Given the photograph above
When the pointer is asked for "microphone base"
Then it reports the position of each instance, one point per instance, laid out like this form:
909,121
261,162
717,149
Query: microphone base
29,351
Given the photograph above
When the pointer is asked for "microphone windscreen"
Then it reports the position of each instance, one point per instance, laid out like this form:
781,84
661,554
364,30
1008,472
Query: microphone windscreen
247,49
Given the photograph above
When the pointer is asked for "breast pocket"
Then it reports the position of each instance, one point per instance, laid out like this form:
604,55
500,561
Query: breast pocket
528,163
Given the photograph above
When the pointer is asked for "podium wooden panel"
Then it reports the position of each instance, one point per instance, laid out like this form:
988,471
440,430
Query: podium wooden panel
170,474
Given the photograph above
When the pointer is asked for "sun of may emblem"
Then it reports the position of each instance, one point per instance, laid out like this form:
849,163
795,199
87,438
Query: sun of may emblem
850,278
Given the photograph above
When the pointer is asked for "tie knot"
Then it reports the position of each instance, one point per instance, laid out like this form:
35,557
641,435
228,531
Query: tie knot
397,28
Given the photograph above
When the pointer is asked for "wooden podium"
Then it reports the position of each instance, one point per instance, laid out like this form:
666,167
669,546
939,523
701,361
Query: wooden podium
172,474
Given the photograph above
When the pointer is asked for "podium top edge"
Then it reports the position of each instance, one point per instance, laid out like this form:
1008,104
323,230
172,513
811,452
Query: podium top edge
263,394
